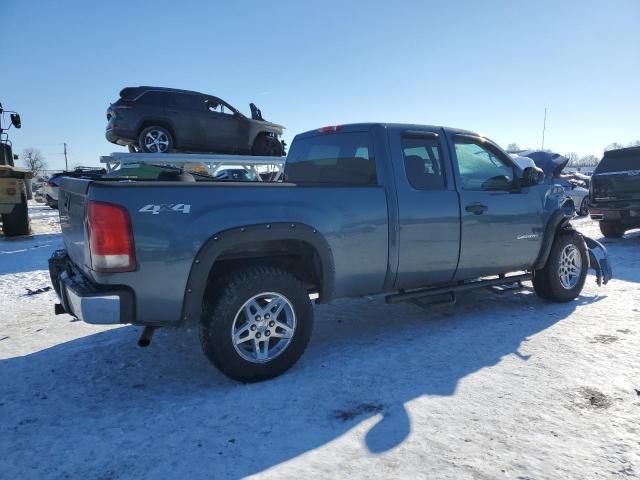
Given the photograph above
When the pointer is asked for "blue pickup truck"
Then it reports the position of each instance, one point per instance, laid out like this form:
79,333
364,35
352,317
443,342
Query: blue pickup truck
413,211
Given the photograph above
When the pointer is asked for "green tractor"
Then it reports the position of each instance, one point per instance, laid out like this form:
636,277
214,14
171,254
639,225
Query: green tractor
15,183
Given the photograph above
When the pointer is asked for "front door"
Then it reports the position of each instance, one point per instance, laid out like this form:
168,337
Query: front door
428,209
220,128
502,225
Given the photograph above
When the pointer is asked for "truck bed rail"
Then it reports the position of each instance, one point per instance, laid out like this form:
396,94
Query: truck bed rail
213,162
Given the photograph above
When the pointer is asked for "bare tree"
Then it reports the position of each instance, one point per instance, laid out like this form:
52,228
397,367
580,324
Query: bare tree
588,161
34,160
616,145
613,146
573,158
513,148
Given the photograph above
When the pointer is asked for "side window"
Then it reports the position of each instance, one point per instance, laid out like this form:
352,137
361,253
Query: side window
217,107
152,99
187,101
481,169
342,158
423,163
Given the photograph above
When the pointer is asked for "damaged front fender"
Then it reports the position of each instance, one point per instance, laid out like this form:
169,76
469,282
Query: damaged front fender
598,260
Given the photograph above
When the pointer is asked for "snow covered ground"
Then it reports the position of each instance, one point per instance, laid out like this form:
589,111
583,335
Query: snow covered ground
502,385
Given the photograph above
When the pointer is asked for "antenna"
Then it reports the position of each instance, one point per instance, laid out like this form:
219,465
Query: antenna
544,127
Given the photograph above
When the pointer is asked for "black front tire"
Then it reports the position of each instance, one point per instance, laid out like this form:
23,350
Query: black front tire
219,314
267,146
612,229
584,207
547,282
17,222
147,140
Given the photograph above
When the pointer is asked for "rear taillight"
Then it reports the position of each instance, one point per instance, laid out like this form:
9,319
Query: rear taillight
110,238
51,184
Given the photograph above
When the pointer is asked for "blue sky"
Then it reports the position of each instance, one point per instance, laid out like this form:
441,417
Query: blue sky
488,66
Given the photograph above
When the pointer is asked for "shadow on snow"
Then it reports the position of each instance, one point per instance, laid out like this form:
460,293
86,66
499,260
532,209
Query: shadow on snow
27,254
124,411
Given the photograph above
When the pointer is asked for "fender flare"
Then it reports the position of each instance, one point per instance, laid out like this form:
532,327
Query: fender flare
222,241
558,223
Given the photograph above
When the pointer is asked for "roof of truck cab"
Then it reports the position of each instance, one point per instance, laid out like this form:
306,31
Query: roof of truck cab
363,127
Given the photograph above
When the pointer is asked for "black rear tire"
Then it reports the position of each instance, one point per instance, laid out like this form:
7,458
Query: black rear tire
267,146
155,139
219,314
17,222
612,229
547,281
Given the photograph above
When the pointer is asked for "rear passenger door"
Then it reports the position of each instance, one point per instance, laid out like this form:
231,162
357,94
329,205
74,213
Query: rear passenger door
428,209
185,112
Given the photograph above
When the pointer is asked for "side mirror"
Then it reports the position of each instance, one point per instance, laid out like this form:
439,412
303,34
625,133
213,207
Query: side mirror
531,176
15,120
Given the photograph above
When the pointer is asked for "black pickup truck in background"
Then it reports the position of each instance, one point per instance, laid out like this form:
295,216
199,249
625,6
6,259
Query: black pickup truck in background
615,192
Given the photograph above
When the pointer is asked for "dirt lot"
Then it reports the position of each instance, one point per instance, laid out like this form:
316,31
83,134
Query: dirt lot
502,385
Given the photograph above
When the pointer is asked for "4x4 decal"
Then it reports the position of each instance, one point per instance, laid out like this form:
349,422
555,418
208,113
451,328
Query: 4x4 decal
166,207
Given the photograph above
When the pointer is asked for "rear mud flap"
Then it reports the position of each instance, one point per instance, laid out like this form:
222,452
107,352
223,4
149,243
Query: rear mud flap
598,260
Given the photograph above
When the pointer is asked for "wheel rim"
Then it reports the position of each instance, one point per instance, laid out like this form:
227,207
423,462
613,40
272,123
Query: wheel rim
156,141
263,327
570,266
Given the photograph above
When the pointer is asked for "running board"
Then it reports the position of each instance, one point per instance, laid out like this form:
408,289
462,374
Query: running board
428,292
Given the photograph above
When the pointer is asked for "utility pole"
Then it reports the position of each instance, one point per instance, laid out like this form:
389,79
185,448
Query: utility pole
544,127
66,167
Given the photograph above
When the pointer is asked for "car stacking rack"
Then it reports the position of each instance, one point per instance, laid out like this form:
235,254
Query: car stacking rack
212,162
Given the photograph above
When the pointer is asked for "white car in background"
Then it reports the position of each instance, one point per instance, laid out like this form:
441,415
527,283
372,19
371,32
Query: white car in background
51,190
52,186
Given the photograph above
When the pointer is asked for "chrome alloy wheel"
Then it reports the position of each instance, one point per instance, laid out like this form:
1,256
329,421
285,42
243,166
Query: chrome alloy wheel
156,141
263,327
569,266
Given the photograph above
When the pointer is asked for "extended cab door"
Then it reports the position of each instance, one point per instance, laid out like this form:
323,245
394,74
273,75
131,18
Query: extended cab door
428,208
502,225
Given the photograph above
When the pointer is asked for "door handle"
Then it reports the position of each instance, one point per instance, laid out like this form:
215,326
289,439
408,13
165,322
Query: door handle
476,208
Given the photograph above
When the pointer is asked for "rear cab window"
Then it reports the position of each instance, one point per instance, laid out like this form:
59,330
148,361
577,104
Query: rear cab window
332,158
423,162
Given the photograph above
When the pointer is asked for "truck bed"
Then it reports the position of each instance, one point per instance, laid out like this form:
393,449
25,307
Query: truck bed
352,220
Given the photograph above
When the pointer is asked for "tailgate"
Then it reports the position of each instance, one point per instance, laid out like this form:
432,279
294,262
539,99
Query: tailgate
616,186
72,203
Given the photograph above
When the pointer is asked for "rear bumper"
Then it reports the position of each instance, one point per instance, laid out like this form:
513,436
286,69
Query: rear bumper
85,300
627,215
120,137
